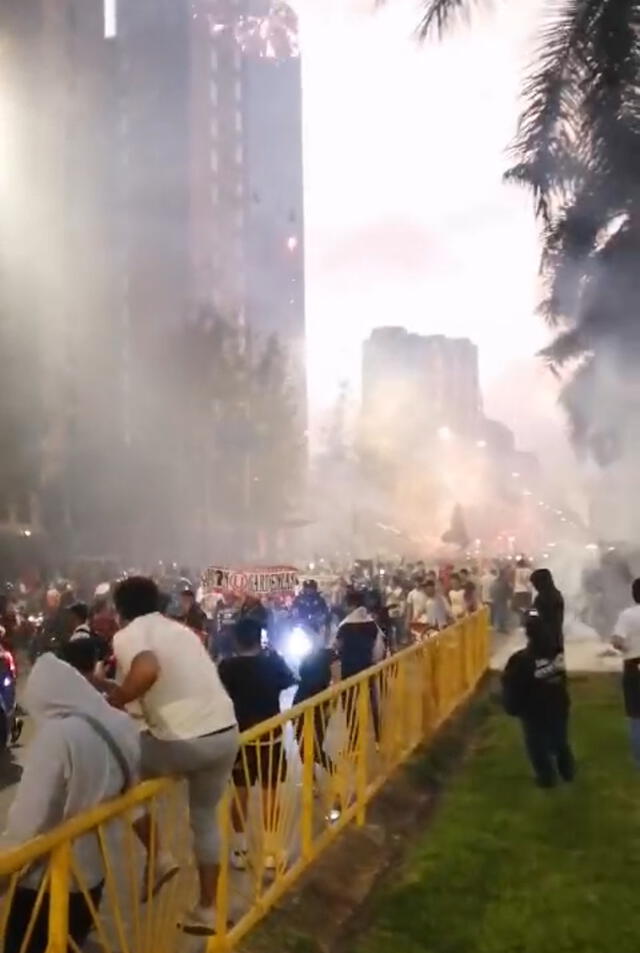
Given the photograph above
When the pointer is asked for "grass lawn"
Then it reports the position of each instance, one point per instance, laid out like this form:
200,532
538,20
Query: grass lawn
508,868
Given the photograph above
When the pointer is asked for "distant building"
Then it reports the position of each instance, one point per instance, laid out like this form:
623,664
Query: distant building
415,385
497,438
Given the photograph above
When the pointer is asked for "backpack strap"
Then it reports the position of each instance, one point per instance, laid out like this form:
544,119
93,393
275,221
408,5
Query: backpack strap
111,744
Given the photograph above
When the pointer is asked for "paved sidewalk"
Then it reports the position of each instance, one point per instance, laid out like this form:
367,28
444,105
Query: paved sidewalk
584,652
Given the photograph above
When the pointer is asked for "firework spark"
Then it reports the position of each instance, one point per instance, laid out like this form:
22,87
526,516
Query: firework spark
272,36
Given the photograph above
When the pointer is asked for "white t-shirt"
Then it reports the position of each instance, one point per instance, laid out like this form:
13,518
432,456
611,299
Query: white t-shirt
417,603
486,584
628,628
396,602
436,612
188,699
456,598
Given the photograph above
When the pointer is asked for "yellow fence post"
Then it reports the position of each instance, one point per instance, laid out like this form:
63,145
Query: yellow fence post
60,872
308,751
428,699
362,745
219,941
486,641
467,648
400,710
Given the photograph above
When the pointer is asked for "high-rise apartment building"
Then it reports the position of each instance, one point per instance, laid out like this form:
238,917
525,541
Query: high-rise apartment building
210,144
189,115
166,180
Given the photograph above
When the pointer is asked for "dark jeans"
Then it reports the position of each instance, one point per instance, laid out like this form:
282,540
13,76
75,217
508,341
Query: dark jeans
397,634
549,750
321,716
80,920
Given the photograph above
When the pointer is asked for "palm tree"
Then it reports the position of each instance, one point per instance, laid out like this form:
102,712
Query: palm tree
577,149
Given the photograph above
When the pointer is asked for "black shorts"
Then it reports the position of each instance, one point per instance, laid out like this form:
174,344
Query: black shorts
263,764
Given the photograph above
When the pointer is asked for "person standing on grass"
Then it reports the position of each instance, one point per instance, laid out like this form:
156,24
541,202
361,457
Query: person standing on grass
534,688
191,725
626,639
549,604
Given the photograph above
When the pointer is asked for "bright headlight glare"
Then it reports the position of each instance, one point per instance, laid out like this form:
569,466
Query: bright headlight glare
298,644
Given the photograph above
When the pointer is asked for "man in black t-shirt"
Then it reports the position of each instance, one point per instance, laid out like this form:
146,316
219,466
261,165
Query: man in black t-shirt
254,680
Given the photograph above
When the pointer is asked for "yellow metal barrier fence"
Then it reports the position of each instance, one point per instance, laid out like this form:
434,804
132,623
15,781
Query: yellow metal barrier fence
300,779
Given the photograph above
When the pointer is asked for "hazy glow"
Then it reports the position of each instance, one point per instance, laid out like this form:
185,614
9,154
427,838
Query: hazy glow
7,141
407,219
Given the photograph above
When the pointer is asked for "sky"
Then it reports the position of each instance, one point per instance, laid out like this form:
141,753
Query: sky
407,218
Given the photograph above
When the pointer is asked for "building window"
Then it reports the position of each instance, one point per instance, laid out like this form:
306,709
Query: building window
238,90
213,92
214,60
239,153
238,119
213,160
213,128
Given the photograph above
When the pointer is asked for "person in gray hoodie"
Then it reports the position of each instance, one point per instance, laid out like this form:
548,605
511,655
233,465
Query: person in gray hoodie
83,753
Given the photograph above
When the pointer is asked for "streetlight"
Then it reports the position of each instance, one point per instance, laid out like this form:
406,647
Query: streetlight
445,433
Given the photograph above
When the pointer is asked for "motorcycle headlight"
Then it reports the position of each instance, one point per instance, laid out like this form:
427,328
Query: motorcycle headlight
298,644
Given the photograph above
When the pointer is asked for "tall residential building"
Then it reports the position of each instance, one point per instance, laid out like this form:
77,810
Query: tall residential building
165,179
196,108
247,184
414,384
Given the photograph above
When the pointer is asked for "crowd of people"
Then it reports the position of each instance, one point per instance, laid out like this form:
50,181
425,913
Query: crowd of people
197,679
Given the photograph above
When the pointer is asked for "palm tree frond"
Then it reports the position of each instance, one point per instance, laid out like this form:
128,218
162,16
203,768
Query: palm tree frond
439,15
545,146
566,346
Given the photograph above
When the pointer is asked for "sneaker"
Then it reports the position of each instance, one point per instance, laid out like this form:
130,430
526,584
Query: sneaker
166,868
275,861
238,859
199,921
